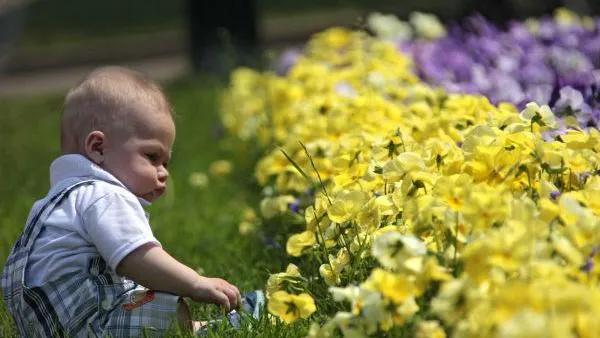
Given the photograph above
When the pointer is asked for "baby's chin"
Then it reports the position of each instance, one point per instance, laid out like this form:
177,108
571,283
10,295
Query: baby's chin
153,195
149,197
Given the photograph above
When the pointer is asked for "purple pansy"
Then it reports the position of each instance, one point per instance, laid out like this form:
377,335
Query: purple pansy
294,206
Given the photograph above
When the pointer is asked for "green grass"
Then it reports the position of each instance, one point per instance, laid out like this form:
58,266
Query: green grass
197,226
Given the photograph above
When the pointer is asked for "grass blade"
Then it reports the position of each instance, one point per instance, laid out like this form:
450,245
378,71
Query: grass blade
295,164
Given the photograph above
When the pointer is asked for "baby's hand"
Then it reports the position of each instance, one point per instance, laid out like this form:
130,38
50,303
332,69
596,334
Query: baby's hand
217,291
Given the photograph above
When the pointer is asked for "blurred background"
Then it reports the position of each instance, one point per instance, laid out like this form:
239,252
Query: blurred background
46,45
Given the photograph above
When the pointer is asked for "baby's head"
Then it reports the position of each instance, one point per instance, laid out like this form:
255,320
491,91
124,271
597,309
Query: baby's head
122,122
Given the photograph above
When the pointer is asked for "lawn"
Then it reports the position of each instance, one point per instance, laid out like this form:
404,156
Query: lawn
199,226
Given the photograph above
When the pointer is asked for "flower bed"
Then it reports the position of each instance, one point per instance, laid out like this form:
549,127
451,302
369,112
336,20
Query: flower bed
415,211
550,60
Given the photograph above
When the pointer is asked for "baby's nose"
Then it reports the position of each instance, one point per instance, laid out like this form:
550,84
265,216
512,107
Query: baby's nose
163,174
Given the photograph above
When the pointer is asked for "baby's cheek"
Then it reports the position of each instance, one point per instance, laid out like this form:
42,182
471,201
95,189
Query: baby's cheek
151,178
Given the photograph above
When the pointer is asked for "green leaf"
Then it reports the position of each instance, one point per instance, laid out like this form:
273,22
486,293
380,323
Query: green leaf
295,164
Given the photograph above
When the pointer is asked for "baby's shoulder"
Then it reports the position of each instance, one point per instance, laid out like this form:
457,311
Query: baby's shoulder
89,194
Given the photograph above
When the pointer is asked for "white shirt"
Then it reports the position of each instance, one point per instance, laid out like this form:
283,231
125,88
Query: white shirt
103,218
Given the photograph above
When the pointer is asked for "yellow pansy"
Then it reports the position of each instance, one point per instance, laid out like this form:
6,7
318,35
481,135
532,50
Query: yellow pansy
297,243
486,206
369,217
346,204
275,280
290,307
566,249
451,301
273,206
395,287
549,211
430,329
453,190
571,210
220,168
431,271
586,325
405,311
401,165
526,324
578,140
482,165
246,228
331,271
418,183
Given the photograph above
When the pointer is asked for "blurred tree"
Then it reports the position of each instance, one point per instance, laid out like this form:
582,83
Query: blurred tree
11,22
222,34
501,11
590,7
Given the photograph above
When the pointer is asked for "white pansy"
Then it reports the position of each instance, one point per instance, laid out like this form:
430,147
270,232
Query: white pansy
427,26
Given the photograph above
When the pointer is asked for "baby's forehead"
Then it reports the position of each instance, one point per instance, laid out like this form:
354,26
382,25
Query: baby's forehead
149,122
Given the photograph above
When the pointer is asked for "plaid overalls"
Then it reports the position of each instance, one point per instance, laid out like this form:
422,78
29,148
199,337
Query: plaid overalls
92,303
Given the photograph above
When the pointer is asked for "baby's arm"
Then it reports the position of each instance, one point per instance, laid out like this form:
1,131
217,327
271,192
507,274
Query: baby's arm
116,223
152,267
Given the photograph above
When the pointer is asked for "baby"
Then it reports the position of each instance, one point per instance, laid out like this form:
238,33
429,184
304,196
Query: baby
87,263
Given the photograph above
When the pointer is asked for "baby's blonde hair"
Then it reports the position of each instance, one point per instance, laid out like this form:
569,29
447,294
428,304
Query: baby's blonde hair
104,100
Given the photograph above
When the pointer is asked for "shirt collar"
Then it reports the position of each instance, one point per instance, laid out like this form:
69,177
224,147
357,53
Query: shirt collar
76,165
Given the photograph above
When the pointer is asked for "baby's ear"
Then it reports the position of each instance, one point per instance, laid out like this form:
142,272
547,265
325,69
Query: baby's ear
94,146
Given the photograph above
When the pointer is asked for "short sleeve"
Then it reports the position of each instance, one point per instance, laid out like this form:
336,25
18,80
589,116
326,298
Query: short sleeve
117,225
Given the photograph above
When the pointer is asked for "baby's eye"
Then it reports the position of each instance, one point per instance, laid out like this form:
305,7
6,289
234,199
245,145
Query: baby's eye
153,157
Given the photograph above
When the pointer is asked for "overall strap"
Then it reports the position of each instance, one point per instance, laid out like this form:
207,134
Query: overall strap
13,274
31,229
